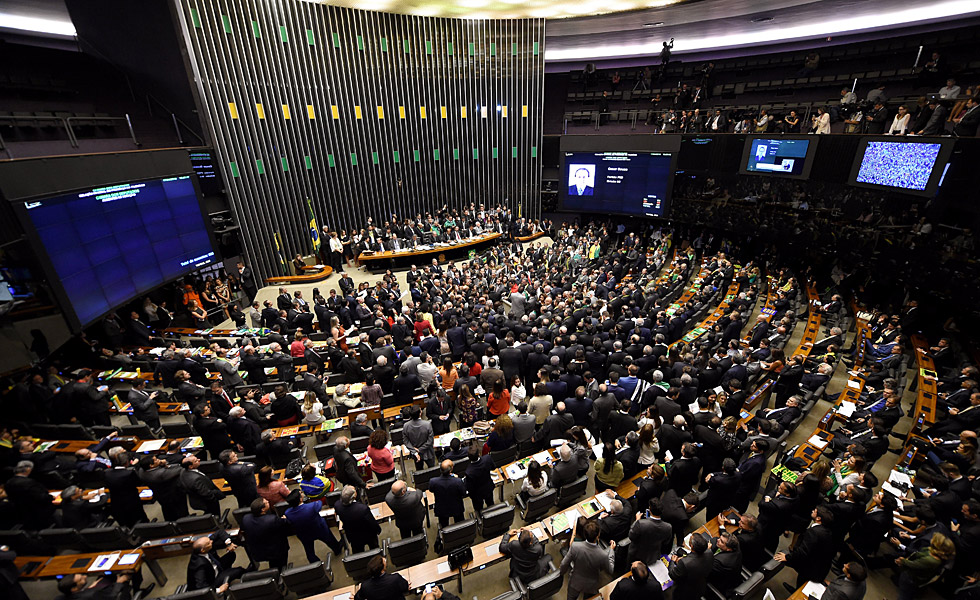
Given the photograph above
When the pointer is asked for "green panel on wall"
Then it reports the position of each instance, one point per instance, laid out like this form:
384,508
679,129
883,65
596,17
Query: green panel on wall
226,23
285,163
428,46
255,29
353,158
283,34
415,153
384,44
435,154
513,48
472,48
260,166
309,161
537,48
406,47
309,37
330,161
534,151
336,39
397,158
493,49
495,152
234,169
374,158
476,153
360,42
455,153
449,47
513,152
196,18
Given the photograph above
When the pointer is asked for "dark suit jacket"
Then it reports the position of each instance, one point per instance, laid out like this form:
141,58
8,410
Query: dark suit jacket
869,531
449,493
201,572
383,587
347,473
525,563
123,485
813,553
241,479
721,491
752,546
690,575
407,508
774,518
630,589
201,491
726,572
360,527
479,483
683,474
267,537
674,512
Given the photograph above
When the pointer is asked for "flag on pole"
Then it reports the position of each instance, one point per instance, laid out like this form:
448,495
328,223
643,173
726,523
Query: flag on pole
314,230
282,259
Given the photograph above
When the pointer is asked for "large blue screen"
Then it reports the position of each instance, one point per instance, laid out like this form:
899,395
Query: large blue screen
109,245
634,183
905,165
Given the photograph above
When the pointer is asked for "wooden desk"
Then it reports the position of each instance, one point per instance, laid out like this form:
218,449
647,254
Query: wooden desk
70,564
314,275
708,322
165,408
388,255
530,238
30,567
926,394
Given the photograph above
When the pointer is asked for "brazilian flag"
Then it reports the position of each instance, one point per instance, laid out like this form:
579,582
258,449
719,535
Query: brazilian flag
282,259
314,230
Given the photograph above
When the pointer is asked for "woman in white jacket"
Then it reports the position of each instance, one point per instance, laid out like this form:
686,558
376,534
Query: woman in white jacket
900,123
821,122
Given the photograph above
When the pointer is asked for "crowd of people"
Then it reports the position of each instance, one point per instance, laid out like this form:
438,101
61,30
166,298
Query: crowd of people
575,345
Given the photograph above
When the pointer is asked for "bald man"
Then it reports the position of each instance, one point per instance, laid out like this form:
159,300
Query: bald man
449,492
408,509
208,570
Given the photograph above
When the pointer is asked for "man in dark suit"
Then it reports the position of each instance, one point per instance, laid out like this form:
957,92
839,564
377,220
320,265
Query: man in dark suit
813,553
678,511
144,404
248,280
967,123
555,426
751,471
684,471
359,524
243,431
851,585
690,573
254,365
872,527
201,491
381,585
30,498
579,185
479,483
785,415
266,535
776,512
751,542
240,477
407,506
726,572
640,585
206,569
722,486
213,432
123,484
615,525
528,558
346,464
649,536
284,301
877,119
164,480
449,492
672,436
312,382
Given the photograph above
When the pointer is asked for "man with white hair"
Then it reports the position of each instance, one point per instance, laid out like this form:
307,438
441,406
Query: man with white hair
360,527
243,431
615,525
565,470
283,363
384,375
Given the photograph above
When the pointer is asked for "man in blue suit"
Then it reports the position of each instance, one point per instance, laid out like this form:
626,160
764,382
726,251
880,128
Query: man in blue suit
309,525
580,183
751,471
449,492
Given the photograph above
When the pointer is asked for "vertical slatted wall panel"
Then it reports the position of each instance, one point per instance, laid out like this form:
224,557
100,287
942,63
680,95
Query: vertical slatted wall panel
291,92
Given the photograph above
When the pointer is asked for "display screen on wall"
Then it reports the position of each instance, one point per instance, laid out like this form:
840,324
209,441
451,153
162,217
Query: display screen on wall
105,246
207,175
782,157
915,166
632,183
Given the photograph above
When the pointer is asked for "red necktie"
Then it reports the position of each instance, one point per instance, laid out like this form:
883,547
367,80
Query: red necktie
227,399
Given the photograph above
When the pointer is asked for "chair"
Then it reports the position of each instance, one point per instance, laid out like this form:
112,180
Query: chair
324,451
770,568
409,551
270,573
178,430
211,468
377,492
62,538
73,431
89,479
496,519
239,513
511,595
305,580
140,430
460,466
421,478
458,535
543,587
46,432
280,461
100,431
569,493
358,445
534,508
107,538
356,564
397,436
200,523
261,589
205,594
154,531
504,457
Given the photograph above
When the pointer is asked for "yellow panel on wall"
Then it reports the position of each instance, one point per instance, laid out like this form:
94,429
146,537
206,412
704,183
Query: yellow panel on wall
401,112
357,112
503,111
422,112
442,111
524,111
310,112
233,110
381,112
334,111
462,112
260,110
285,111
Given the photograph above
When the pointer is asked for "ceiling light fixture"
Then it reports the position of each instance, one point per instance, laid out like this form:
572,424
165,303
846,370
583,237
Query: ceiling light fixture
774,33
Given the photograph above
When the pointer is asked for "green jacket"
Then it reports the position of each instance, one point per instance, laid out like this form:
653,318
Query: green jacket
921,566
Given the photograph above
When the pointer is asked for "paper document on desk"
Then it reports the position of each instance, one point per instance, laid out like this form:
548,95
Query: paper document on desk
899,478
605,501
538,533
894,491
128,559
853,384
104,562
813,589
442,568
817,442
542,457
516,471
344,596
151,445
846,409
659,570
